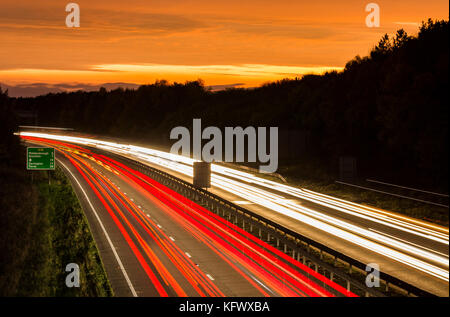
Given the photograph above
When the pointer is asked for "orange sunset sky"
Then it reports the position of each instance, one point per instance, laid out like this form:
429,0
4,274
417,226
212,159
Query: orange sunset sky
246,42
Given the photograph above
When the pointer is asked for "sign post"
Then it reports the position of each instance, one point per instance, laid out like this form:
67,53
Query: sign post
202,174
40,158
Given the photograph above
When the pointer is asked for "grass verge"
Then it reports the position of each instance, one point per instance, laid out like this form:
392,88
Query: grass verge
43,228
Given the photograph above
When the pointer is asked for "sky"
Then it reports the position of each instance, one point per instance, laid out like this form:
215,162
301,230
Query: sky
241,43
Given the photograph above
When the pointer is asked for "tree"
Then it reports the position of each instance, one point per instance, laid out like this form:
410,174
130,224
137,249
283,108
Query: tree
400,39
384,45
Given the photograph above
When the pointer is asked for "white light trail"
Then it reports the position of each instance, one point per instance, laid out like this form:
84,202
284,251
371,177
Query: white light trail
242,184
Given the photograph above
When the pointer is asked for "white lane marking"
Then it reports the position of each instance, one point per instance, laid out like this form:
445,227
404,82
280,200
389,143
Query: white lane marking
260,283
148,215
417,245
171,238
159,226
139,207
210,277
131,199
188,255
133,291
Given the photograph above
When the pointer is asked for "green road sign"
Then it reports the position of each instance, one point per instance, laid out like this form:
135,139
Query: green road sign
40,158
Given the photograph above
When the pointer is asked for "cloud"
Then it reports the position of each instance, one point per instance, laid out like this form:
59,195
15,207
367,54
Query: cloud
223,87
37,89
27,82
105,24
195,32
274,28
249,70
416,24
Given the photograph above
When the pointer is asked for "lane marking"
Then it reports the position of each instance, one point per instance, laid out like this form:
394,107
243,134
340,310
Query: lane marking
417,245
172,239
113,248
188,255
260,283
210,277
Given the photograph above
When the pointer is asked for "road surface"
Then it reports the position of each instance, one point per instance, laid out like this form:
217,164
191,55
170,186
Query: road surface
154,242
409,249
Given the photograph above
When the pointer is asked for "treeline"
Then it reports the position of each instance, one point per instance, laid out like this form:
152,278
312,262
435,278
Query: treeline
388,110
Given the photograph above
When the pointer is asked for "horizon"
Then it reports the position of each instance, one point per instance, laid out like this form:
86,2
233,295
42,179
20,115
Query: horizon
234,45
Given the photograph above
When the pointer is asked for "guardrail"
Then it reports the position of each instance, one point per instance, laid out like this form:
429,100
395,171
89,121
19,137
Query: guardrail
392,194
335,265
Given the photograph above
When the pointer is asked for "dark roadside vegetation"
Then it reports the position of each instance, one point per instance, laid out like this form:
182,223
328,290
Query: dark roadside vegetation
42,227
388,110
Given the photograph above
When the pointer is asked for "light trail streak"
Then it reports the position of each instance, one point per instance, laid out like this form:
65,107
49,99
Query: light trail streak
251,257
237,182
213,222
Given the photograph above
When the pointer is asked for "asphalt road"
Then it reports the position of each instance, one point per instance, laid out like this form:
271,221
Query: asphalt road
411,250
365,255
153,243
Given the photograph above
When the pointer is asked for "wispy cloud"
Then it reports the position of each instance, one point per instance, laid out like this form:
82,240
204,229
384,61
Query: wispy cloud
417,24
244,70
37,89
246,75
223,87
233,41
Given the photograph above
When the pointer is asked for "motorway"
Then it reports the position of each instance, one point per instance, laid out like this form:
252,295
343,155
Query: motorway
154,242
409,249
